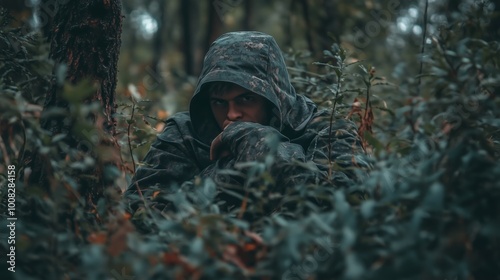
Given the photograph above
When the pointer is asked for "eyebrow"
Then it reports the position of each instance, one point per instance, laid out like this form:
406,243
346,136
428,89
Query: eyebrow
216,99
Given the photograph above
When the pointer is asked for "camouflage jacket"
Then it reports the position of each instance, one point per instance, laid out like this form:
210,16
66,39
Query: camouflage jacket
298,138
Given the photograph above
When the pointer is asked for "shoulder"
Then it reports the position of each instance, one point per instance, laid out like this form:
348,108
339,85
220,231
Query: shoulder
179,138
180,118
177,127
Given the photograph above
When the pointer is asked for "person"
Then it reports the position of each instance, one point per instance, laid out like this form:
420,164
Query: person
244,109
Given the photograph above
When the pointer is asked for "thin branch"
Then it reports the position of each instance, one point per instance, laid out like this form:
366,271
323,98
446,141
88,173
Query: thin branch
128,134
368,101
244,204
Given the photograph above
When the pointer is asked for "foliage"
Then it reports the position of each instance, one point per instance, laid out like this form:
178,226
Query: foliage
429,209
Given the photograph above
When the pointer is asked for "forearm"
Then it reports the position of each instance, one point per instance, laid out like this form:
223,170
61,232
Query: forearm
165,167
265,146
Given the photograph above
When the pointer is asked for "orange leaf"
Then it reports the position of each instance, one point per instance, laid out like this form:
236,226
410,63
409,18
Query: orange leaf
174,258
162,114
171,258
159,126
118,239
155,194
97,238
127,216
249,247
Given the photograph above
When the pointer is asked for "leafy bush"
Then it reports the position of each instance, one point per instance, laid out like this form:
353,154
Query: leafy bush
429,209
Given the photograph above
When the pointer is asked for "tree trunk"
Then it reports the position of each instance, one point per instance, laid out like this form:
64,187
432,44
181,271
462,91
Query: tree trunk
85,40
247,17
214,27
158,42
305,13
331,24
187,45
289,22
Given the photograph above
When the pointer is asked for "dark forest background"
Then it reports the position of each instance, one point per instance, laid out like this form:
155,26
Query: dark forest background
86,85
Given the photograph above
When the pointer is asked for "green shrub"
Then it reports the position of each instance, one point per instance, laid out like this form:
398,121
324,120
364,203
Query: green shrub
428,210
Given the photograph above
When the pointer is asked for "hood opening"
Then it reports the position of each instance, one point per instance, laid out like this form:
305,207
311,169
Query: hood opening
253,61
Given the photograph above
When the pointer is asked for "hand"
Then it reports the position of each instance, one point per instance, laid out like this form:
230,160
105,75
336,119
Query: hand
243,140
217,149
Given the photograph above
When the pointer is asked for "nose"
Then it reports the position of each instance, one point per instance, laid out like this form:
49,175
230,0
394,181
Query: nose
233,113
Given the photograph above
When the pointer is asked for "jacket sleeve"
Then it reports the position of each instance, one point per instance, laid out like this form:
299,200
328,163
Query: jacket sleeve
293,163
165,167
252,142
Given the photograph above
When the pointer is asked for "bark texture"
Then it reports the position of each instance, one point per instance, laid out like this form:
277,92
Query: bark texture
85,36
84,40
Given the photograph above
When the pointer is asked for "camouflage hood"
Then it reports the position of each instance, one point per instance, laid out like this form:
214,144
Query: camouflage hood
253,61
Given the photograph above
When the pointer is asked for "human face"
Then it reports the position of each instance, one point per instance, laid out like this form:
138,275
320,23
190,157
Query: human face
238,104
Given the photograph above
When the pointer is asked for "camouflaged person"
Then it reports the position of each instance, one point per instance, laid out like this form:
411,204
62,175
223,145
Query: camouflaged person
244,109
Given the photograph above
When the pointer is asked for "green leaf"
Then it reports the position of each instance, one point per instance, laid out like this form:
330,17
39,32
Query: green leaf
367,208
58,137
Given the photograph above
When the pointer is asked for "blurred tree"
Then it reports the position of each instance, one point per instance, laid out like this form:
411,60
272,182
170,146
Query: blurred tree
331,23
304,5
187,43
214,26
247,17
158,42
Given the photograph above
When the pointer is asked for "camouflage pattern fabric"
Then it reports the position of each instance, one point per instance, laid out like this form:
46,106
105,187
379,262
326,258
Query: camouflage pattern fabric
297,133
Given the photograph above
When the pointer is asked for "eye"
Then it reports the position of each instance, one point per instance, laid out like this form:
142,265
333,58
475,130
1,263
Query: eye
217,102
247,98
